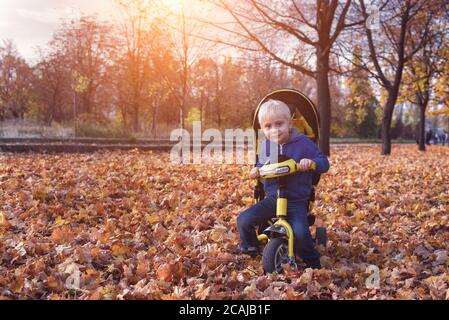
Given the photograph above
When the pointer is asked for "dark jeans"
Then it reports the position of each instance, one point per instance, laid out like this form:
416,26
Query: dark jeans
296,217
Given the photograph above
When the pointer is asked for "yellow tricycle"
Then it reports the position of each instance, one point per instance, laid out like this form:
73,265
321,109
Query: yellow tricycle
277,232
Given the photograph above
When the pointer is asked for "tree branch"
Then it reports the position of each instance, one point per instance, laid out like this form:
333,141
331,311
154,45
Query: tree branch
262,45
295,32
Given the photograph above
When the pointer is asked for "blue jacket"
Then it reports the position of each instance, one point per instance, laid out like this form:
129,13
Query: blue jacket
299,184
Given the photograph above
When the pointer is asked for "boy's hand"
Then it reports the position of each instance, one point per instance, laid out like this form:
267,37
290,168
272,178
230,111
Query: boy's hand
254,174
306,164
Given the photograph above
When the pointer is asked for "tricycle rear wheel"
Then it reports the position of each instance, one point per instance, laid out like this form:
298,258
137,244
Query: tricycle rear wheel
321,236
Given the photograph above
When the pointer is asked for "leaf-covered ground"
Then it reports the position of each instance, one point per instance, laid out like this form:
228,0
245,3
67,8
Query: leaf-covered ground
130,225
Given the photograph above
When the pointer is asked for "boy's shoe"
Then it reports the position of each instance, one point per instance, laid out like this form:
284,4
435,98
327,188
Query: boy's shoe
251,251
314,264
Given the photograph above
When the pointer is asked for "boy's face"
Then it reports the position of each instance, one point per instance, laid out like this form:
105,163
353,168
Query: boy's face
276,128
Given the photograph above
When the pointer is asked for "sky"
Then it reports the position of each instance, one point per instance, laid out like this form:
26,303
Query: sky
31,23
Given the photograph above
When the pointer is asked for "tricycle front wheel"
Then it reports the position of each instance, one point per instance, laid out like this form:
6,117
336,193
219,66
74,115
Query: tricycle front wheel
274,255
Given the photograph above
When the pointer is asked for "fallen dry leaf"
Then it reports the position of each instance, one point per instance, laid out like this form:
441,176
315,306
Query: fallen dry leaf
139,227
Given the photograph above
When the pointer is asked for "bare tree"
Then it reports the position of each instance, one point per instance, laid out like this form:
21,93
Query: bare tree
204,78
136,31
421,71
297,34
389,47
188,48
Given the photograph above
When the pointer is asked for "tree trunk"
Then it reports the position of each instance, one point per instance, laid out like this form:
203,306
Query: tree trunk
87,99
422,128
386,125
218,115
181,117
136,117
124,117
154,122
201,106
324,103
206,111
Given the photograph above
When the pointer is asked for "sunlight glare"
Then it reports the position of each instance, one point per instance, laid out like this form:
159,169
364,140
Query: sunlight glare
173,5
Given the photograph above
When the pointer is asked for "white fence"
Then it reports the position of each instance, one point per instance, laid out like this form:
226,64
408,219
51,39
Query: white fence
25,129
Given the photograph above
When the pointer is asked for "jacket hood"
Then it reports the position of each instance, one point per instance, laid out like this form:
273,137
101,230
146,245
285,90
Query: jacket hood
294,136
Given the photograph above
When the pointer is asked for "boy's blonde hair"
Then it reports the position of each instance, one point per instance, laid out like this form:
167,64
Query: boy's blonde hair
273,107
